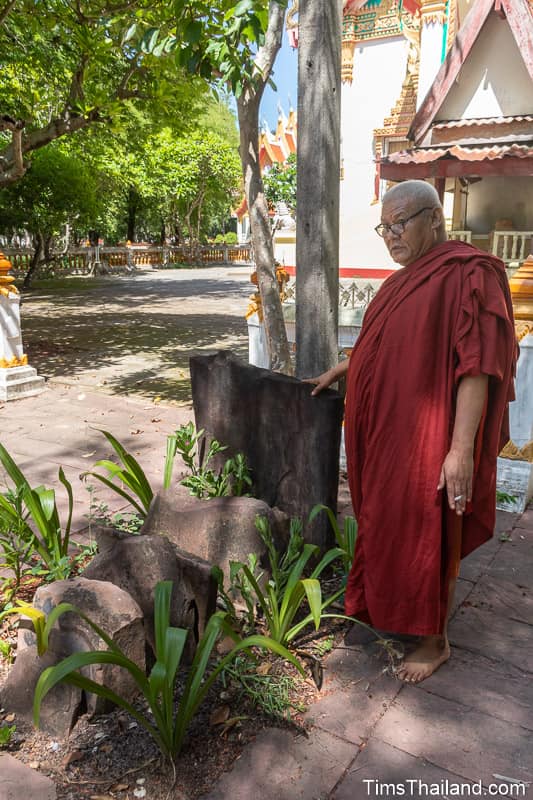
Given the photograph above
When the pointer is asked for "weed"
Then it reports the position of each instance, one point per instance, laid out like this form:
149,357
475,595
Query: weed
6,734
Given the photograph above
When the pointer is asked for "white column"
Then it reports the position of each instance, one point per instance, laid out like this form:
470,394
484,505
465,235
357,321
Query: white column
433,19
17,379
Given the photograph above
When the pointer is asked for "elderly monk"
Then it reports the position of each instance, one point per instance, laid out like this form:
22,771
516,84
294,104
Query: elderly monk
428,385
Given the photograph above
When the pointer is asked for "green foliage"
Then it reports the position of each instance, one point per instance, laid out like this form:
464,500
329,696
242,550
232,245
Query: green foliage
45,537
505,497
285,593
6,734
6,650
232,479
280,183
346,539
166,724
128,473
57,189
270,693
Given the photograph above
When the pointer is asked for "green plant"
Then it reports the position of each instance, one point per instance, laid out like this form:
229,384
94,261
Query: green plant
346,539
268,692
6,734
241,587
284,594
233,479
505,498
6,650
169,725
45,536
129,473
16,544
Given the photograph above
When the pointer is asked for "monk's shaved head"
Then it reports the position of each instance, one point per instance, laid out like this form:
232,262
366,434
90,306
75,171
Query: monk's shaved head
412,221
419,192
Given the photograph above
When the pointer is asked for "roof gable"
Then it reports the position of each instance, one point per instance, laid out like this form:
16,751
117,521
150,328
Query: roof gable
519,17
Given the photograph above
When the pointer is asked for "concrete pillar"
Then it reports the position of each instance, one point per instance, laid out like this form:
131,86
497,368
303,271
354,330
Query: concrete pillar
317,216
17,379
432,22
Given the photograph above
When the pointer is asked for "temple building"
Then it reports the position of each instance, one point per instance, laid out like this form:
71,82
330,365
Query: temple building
440,90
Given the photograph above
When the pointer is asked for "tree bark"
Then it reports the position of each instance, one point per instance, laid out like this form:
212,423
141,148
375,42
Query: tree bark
318,169
35,260
248,112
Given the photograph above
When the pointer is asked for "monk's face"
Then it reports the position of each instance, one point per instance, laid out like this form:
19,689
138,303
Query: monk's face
420,232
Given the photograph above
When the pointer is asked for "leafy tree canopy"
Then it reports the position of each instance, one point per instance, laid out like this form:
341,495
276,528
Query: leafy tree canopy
280,183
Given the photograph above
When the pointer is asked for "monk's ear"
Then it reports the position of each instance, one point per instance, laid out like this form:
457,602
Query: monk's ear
437,218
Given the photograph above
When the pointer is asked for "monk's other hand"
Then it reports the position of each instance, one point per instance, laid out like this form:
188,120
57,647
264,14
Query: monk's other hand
456,477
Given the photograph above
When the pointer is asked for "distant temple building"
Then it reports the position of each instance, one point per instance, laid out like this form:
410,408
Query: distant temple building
274,148
440,90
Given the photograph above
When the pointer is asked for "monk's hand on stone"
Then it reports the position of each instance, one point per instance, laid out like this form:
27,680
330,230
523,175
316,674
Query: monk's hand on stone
456,477
322,382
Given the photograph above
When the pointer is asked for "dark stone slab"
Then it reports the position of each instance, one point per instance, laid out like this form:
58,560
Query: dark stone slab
456,738
280,766
478,562
291,440
378,764
492,687
138,563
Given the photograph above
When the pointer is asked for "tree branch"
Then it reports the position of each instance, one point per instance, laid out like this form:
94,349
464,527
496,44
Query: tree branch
15,168
6,9
266,55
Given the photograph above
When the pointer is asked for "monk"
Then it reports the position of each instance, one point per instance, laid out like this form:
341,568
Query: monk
428,386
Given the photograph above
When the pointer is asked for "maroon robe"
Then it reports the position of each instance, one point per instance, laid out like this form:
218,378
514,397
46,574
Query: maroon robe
446,315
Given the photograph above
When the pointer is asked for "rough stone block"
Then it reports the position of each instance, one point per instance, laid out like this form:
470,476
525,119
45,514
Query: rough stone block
138,563
218,530
290,439
19,782
109,607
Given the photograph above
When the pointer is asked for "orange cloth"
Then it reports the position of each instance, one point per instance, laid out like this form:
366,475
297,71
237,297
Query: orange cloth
447,315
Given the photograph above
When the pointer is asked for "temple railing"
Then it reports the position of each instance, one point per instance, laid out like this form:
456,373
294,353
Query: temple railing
512,245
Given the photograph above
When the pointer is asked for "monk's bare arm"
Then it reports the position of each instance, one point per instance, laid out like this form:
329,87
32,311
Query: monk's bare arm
458,467
331,376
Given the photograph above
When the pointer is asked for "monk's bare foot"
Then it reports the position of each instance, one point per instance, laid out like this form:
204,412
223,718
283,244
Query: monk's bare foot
425,659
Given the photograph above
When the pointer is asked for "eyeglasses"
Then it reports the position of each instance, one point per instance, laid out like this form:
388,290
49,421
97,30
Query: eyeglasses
397,228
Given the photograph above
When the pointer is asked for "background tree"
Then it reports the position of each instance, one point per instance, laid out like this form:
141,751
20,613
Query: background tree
280,183
72,64
59,190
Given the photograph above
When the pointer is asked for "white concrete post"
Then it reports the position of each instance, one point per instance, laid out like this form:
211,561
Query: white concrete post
17,379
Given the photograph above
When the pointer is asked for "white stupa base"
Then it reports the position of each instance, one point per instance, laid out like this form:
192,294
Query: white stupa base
19,382
515,478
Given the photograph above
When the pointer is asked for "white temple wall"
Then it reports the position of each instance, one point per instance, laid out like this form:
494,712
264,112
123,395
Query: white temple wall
494,80
495,198
378,74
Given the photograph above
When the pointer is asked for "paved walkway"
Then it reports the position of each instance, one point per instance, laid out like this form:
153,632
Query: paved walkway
472,721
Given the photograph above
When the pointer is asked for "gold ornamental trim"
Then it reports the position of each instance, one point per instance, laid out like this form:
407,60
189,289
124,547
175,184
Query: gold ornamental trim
433,11
515,453
6,280
14,362
523,328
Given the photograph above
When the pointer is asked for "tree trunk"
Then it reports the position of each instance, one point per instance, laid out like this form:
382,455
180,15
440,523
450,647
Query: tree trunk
318,169
36,258
133,204
248,112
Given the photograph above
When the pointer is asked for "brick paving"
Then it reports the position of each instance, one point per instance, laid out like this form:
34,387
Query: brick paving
370,735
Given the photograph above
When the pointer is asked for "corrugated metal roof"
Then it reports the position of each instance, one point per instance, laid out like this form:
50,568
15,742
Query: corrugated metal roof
490,153
467,123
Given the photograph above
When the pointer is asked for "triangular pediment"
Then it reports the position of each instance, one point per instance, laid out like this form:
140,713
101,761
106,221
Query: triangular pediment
488,71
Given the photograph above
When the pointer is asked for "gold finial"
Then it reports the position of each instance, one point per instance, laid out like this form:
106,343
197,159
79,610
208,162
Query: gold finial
6,280
522,290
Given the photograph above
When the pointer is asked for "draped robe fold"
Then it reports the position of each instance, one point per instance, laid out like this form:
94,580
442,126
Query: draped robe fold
445,316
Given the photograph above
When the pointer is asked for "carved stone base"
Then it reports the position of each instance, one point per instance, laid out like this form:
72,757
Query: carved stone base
515,478
18,382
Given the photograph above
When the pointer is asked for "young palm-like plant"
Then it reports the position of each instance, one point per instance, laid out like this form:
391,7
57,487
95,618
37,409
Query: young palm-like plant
283,596
31,515
345,538
169,724
128,473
